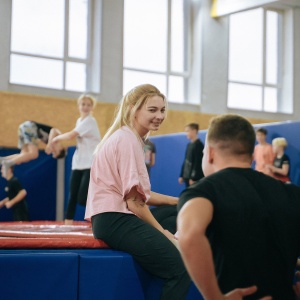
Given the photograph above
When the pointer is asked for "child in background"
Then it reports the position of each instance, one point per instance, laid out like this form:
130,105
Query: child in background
16,196
263,152
281,165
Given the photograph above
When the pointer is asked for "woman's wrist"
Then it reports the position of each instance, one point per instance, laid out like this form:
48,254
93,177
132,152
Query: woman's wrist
172,200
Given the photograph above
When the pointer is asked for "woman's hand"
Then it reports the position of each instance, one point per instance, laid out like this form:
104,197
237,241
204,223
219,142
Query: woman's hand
171,237
168,234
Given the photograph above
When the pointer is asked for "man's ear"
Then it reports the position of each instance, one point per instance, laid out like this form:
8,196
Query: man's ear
211,154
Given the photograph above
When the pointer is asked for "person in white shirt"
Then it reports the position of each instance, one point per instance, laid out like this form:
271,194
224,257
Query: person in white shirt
88,137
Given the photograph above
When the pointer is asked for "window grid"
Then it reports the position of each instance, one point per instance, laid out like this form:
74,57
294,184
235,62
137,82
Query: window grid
185,74
264,84
66,58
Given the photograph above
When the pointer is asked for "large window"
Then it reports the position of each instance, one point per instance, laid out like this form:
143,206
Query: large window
156,46
255,60
50,44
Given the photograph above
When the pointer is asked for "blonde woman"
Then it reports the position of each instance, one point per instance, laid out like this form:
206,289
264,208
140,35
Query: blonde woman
281,164
119,192
88,136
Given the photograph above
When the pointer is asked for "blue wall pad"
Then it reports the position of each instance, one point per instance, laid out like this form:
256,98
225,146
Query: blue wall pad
38,177
171,150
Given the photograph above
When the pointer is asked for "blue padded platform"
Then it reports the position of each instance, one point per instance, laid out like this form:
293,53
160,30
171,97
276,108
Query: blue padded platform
77,274
36,276
120,278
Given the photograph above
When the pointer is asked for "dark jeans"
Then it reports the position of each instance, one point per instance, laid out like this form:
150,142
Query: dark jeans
148,246
79,185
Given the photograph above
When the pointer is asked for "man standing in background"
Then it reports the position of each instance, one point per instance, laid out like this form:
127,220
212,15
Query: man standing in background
191,170
150,152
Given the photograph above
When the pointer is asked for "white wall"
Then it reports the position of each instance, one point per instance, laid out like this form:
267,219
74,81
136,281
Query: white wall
212,48
215,67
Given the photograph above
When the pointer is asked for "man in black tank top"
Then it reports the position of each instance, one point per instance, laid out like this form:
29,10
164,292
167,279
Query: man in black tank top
238,228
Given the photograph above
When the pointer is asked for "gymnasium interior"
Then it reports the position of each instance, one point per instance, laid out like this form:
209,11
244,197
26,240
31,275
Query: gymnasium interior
209,57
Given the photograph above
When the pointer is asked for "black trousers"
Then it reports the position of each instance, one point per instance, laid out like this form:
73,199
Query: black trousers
79,185
166,216
20,211
148,246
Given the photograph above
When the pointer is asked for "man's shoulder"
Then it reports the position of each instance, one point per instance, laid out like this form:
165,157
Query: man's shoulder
196,144
198,141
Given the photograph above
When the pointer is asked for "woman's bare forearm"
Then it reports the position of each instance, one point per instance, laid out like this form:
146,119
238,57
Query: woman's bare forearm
157,199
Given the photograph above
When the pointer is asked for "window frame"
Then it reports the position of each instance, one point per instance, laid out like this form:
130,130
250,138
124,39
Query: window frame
88,61
280,63
187,53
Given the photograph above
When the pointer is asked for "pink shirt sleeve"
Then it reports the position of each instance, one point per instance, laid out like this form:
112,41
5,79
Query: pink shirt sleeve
116,169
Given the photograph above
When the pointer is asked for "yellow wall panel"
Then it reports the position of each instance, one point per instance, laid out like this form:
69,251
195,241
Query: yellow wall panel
62,113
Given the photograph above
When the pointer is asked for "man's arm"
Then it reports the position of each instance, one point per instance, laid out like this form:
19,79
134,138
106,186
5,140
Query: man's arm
193,219
19,197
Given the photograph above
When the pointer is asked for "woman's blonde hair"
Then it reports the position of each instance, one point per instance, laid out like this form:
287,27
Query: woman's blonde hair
280,141
87,96
128,106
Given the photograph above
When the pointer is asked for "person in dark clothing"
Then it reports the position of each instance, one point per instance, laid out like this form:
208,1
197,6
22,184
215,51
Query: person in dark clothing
16,196
150,153
30,134
191,170
238,228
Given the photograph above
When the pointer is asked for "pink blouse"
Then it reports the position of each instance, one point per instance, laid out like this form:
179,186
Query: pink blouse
117,167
